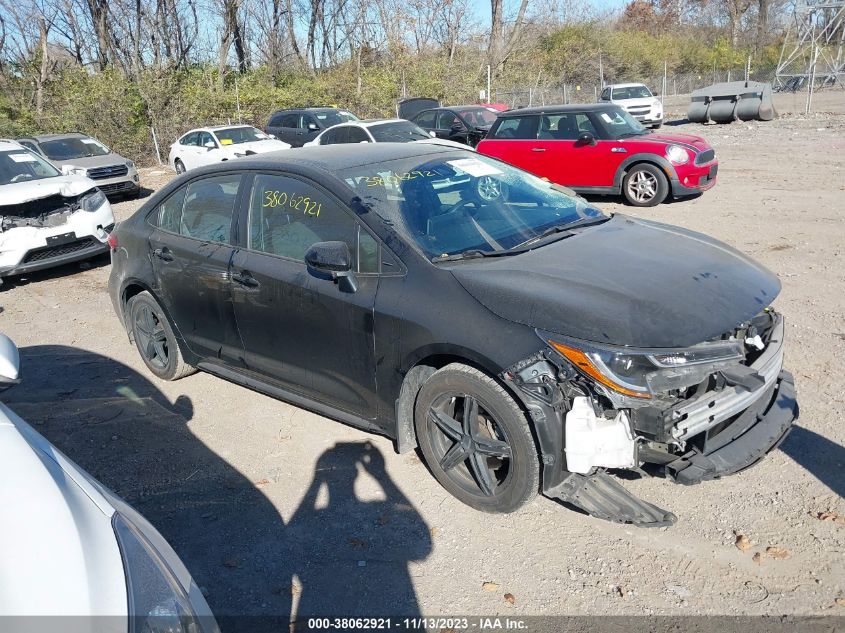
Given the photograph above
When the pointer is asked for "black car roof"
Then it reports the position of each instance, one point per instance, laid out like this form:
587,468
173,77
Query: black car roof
331,158
558,109
41,138
311,109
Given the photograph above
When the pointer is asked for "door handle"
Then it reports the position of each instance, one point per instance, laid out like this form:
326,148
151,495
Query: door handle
538,149
246,280
163,254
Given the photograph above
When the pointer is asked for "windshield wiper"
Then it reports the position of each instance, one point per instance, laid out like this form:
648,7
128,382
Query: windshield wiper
470,254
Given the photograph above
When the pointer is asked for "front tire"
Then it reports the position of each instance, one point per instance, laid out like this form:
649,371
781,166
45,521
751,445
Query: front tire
476,440
179,166
645,185
155,339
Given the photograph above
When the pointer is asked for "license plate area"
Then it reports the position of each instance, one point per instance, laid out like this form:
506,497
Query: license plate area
59,240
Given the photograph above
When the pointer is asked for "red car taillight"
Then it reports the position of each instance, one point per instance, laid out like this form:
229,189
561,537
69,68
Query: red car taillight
112,241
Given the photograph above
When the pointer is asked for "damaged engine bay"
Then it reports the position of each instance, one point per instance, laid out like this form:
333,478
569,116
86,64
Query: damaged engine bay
689,414
51,211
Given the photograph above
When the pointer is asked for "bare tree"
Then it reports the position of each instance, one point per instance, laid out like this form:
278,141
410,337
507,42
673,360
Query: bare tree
500,47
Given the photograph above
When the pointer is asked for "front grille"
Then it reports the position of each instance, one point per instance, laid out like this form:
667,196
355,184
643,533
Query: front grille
115,187
112,171
705,157
639,109
49,252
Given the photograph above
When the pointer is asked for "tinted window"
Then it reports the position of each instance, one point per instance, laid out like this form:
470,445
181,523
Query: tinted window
276,120
207,209
190,139
632,92
290,119
356,135
205,137
69,148
328,118
605,94
170,212
478,116
518,127
398,132
426,119
30,145
560,127
287,216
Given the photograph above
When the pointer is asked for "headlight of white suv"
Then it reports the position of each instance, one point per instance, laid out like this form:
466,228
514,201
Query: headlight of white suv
157,602
93,200
130,164
677,154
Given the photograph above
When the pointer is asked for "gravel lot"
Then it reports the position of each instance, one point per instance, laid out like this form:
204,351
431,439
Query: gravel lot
270,505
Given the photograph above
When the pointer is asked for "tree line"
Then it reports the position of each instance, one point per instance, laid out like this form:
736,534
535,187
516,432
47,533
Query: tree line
119,69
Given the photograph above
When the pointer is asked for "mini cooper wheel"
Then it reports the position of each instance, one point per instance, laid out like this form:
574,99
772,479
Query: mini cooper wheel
490,189
179,165
476,440
154,338
645,186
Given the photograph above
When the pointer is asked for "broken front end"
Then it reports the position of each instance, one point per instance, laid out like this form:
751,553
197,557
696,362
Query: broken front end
52,230
689,414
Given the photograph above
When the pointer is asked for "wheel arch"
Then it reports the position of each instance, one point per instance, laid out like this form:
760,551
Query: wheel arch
638,159
133,287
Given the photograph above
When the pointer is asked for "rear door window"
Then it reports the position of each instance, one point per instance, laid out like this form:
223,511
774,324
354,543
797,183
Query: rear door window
357,135
287,216
203,209
426,119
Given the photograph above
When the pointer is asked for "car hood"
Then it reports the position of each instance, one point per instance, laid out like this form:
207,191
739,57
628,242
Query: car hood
92,161
681,139
625,282
20,192
61,555
640,101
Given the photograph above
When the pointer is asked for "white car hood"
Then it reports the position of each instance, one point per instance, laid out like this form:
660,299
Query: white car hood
643,101
20,192
59,552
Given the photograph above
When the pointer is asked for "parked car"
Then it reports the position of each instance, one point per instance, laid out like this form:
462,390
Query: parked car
456,303
301,125
462,124
379,131
74,548
47,218
81,154
601,149
208,145
637,100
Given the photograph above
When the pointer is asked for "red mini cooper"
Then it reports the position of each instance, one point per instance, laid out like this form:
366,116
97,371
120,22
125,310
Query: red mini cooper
601,149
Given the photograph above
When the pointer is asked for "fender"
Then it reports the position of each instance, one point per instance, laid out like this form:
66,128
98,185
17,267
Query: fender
645,157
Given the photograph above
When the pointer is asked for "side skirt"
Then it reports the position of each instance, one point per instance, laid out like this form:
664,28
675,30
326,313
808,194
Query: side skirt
291,397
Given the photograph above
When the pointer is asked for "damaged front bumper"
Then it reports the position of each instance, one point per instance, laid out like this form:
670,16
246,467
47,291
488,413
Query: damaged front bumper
722,427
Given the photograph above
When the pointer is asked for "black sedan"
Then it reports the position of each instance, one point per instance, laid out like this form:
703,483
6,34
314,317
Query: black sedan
462,124
519,337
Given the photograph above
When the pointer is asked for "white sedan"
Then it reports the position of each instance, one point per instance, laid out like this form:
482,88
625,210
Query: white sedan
207,145
73,548
380,131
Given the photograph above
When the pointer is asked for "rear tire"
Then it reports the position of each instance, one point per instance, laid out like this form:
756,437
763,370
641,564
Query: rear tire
179,166
476,440
645,185
155,339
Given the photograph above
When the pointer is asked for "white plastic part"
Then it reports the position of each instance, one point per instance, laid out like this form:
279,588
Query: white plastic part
597,442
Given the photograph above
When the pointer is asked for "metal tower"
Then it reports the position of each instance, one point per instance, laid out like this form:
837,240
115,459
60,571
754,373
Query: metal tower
814,46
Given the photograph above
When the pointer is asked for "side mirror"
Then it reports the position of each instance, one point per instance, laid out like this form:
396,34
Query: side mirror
10,363
271,135
432,134
585,138
331,260
209,145
313,127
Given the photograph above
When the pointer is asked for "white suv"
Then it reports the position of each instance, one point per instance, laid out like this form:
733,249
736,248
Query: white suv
638,100
47,217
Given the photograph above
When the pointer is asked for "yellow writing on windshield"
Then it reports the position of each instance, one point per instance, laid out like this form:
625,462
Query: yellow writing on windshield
394,178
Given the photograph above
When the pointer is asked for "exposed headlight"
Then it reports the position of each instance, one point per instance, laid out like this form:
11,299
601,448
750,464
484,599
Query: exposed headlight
130,164
639,373
157,602
677,154
93,201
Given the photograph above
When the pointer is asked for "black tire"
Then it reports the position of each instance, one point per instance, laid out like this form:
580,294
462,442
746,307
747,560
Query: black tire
154,338
645,185
179,166
657,126
499,442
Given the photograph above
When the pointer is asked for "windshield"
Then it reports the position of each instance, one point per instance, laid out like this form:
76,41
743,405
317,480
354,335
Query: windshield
22,166
328,118
238,135
455,202
632,92
477,116
69,148
617,123
398,132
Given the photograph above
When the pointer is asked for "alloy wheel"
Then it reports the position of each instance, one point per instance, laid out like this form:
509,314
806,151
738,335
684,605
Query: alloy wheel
470,446
642,186
489,189
151,337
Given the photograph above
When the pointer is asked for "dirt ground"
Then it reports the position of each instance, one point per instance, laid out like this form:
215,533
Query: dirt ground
271,506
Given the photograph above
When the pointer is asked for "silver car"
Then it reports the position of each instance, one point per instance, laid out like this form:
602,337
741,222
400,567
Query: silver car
76,153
